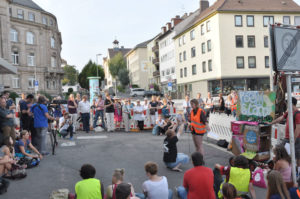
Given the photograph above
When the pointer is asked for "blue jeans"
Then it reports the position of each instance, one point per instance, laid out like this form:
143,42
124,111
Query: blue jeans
142,196
181,192
97,114
180,159
86,121
155,130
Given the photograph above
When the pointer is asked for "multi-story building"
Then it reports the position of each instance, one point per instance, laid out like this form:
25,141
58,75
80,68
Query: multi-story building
152,75
225,46
167,57
31,41
137,65
109,80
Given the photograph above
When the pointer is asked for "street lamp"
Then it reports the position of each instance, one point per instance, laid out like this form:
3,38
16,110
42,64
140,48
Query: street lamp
97,61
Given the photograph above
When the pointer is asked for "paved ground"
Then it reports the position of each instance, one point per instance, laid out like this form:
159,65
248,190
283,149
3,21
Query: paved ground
107,152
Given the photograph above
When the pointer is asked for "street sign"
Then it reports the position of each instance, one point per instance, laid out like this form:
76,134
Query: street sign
170,86
36,83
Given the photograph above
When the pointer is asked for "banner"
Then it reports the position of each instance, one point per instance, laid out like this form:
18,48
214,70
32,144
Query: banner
256,106
93,87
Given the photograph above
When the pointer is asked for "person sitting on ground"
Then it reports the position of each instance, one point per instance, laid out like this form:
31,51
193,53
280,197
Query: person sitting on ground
117,179
168,124
66,125
276,187
23,145
8,147
159,123
172,159
123,191
282,164
239,175
229,191
89,187
198,181
157,186
5,163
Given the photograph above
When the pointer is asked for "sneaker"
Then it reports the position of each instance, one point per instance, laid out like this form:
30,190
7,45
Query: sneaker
71,138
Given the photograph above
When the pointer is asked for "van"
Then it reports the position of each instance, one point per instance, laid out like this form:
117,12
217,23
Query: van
137,92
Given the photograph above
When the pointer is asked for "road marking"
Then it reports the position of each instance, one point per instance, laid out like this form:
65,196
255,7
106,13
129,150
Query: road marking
68,144
91,137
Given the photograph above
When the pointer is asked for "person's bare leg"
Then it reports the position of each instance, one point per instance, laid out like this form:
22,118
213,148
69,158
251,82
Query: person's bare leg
177,168
198,139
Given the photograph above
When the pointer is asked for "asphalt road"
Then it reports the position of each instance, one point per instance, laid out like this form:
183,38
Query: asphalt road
106,152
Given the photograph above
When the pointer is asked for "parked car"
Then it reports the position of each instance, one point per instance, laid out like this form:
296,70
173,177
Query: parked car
137,92
151,93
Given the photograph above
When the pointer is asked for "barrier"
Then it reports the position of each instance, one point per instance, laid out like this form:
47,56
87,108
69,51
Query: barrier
220,126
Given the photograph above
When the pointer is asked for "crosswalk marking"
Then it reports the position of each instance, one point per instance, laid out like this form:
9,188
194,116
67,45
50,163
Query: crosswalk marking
91,137
68,144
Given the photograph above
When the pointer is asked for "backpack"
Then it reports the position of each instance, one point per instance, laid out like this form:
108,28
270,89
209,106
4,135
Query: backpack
30,163
4,184
16,172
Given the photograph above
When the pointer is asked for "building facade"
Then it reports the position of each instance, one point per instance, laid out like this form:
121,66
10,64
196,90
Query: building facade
137,65
154,79
226,46
31,41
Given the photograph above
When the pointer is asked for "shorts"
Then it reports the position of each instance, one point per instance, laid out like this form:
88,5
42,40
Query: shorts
194,133
297,146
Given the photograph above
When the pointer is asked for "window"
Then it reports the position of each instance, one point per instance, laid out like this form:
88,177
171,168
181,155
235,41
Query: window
208,45
48,85
251,41
173,70
204,67
192,34
286,20
209,63
297,20
54,84
240,62
202,29
239,41
53,61
267,62
208,26
31,16
203,48
163,73
183,39
29,38
15,58
10,12
267,20
250,20
184,55
266,41
180,57
252,62
13,35
194,69
185,71
31,59
45,20
31,82
179,41
20,14
51,22
16,82
238,20
52,41
181,73
193,52
168,71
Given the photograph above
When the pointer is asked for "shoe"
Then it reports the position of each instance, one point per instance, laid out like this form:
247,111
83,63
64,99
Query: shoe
71,138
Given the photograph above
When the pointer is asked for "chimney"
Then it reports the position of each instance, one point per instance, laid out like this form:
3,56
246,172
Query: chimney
163,30
176,21
203,5
184,16
169,25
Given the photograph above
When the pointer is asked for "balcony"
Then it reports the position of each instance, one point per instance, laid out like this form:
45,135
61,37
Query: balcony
155,61
155,48
156,73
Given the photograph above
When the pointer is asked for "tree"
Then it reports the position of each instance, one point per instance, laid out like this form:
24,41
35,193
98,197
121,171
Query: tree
90,70
70,75
116,64
123,76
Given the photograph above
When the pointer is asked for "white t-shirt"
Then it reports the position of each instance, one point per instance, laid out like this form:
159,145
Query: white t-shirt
64,127
157,190
186,104
138,117
159,122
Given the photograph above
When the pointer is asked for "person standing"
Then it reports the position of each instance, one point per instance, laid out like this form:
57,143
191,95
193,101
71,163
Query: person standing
199,125
209,104
221,103
186,107
139,115
6,121
228,105
200,101
41,116
109,113
234,101
126,115
84,109
72,107
99,112
153,110
10,105
118,112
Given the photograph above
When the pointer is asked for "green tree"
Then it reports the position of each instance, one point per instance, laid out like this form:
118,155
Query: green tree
90,70
123,77
70,75
116,64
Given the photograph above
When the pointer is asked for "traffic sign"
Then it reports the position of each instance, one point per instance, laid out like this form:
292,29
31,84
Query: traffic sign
170,84
36,83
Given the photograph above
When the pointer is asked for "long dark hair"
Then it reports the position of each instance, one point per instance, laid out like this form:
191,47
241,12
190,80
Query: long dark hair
281,154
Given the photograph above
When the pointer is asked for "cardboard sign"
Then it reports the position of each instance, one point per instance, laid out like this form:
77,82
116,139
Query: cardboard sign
251,138
256,106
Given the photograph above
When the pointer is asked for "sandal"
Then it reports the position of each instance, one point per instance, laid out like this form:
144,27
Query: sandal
177,169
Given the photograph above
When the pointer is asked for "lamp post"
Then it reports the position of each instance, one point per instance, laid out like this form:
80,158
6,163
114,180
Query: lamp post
97,66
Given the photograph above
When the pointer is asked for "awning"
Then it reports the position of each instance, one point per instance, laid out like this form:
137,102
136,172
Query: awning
7,68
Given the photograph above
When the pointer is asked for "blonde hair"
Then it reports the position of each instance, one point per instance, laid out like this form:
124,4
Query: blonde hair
119,174
276,185
71,96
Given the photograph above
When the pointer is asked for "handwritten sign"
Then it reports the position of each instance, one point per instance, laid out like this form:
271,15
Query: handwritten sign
256,106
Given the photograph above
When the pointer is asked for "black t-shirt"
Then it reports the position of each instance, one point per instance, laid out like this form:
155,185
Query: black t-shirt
153,104
109,109
170,149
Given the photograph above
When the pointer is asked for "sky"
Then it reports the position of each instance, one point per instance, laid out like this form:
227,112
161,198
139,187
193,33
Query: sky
89,27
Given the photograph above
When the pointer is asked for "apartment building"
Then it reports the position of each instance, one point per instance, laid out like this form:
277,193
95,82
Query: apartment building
31,42
153,75
226,46
137,65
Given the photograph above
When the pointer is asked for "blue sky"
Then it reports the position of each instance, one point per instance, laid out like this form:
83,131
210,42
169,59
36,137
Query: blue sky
88,27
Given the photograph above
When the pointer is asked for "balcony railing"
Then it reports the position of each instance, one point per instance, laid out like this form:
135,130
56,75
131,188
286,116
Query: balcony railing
155,61
156,73
155,48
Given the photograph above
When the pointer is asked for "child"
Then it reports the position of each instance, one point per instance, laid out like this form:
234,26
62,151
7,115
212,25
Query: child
159,123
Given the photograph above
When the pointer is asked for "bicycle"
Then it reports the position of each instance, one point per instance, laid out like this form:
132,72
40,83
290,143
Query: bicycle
52,130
